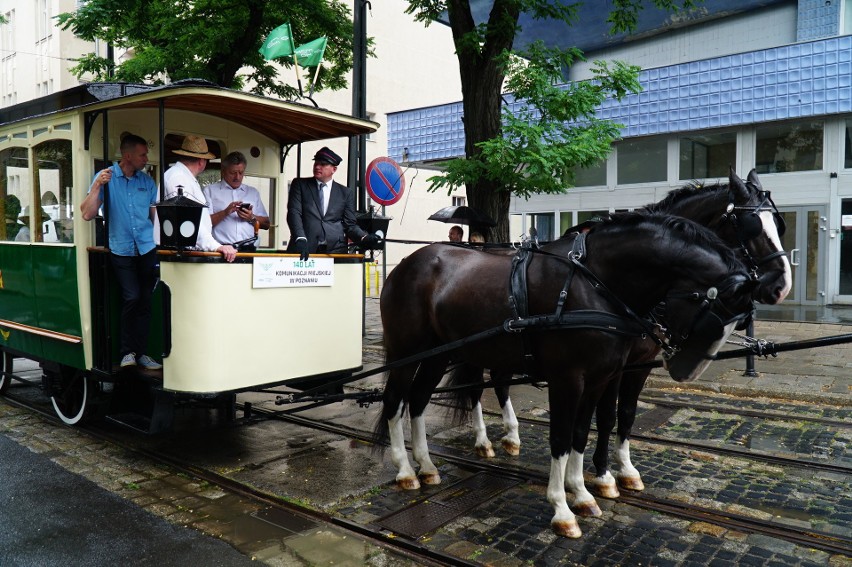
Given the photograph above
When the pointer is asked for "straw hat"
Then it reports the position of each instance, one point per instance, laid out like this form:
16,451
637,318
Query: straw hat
194,146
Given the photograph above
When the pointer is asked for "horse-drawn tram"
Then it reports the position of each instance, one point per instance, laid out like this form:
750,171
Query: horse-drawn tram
221,327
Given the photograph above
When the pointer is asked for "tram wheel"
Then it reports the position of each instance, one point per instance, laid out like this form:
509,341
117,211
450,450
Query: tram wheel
72,397
5,371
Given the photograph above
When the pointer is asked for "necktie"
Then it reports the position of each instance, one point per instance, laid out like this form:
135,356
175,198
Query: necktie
322,198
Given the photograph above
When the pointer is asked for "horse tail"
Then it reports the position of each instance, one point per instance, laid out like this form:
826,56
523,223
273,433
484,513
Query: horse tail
463,400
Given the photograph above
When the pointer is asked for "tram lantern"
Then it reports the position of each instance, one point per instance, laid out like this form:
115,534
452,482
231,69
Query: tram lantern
179,217
370,222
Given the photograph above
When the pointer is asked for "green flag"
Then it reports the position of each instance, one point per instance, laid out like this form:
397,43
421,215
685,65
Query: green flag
311,53
279,43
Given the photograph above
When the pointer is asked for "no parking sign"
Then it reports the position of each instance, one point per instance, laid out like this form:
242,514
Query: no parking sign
385,181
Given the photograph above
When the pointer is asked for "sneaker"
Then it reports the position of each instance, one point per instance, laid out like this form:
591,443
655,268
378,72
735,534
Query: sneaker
148,363
128,359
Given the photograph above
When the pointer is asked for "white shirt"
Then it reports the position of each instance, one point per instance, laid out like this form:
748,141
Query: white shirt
179,174
326,195
232,228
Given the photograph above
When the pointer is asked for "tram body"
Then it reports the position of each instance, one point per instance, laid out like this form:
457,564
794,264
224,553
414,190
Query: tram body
218,332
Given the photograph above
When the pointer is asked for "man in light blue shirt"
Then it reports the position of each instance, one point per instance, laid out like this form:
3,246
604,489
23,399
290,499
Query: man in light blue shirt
131,197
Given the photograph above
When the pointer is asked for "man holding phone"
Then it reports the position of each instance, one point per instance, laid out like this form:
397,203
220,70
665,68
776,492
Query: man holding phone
235,208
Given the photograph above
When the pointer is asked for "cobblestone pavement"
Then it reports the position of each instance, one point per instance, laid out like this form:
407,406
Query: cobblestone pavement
512,529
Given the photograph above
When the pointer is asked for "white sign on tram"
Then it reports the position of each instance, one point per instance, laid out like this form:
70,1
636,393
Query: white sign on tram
292,272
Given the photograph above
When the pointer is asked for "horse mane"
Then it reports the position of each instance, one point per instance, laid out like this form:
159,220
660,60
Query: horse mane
692,189
687,231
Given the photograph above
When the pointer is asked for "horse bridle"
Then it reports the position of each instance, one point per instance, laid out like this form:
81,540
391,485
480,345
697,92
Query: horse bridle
748,226
706,320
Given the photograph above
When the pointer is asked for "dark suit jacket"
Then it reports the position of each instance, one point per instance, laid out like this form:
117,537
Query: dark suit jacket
305,219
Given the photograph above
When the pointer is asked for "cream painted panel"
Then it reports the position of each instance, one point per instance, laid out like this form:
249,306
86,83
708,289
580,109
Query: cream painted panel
227,335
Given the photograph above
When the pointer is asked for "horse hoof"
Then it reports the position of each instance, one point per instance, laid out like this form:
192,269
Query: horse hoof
587,509
566,529
409,483
631,483
430,478
511,448
485,452
608,491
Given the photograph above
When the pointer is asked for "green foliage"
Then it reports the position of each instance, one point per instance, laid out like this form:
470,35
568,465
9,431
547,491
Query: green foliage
554,128
551,130
216,40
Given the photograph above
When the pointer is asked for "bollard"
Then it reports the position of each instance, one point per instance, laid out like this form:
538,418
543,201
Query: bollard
749,370
372,268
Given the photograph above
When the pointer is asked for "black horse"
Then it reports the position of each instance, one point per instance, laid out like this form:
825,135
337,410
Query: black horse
743,215
608,279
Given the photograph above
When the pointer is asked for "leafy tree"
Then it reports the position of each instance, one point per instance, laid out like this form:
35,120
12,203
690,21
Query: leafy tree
555,130
216,40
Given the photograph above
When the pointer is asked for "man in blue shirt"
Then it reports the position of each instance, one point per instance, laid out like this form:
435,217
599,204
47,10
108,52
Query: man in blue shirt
131,200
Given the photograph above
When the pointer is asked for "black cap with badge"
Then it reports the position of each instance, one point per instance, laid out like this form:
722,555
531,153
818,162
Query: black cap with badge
325,155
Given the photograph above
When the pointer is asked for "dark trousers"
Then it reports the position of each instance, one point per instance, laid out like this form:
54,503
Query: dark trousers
136,278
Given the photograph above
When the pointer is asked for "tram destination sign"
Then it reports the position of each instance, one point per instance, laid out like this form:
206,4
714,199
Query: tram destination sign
385,181
292,272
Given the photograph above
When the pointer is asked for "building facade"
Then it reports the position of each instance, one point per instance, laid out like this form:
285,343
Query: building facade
767,87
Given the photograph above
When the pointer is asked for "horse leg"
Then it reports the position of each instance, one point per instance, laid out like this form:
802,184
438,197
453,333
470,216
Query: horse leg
468,400
425,381
511,441
584,502
563,398
628,398
604,483
393,410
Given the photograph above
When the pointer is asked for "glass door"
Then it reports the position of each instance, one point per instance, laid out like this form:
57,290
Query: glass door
804,242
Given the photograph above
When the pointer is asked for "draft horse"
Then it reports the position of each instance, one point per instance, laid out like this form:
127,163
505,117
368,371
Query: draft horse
608,279
740,212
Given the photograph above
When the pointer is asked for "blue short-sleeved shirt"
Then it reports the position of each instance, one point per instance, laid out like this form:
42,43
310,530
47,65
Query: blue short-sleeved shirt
131,230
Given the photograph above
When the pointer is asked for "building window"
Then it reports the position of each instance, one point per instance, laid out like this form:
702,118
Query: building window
371,136
710,155
459,201
543,223
592,176
792,146
847,145
642,160
43,27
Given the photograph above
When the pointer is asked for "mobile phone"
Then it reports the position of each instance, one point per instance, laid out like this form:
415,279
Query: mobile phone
245,205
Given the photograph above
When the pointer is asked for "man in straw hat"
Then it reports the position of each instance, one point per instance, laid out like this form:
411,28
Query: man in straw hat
132,195
321,212
193,155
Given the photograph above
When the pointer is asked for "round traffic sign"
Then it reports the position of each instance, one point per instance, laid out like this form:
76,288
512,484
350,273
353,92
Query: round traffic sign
385,181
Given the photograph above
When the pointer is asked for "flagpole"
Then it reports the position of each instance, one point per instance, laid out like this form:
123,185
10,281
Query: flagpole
296,63
314,82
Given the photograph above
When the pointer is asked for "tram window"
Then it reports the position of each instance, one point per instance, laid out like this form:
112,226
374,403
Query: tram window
707,156
792,146
55,197
14,184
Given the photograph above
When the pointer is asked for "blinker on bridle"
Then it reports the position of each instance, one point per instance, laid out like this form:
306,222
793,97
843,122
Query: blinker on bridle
748,226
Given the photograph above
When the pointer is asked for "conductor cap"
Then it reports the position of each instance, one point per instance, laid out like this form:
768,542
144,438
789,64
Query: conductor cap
325,155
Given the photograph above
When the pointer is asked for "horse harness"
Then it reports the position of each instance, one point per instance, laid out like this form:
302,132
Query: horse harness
628,323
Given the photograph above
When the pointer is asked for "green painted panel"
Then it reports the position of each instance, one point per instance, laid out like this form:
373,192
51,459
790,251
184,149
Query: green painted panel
55,279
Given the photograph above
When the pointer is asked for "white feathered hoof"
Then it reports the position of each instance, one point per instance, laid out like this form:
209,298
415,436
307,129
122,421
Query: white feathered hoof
485,451
511,447
588,509
606,490
430,478
408,483
631,483
566,528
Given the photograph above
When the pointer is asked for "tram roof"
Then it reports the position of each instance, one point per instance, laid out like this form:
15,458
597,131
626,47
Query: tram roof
283,121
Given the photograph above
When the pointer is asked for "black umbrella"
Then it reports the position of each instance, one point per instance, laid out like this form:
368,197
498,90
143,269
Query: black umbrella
463,215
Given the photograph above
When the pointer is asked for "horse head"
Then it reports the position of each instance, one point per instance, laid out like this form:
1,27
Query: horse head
742,214
699,323
757,227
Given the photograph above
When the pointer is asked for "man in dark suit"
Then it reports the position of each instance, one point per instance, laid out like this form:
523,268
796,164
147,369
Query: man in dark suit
321,212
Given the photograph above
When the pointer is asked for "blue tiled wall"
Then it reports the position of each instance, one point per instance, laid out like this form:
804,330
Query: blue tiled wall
793,81
817,19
